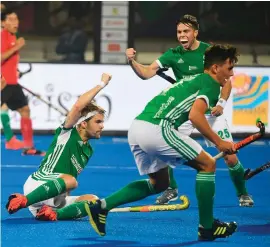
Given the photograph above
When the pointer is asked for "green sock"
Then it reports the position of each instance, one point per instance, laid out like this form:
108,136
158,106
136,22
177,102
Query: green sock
173,183
134,191
205,191
6,125
237,176
73,211
48,190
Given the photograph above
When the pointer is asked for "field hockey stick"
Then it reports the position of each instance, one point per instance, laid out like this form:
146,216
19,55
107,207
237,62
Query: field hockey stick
247,140
154,208
45,101
21,74
249,174
161,73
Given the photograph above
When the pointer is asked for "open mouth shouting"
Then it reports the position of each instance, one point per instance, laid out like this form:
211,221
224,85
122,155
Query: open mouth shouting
184,42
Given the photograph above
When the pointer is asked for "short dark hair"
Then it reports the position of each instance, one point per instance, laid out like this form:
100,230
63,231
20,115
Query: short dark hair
218,54
5,12
189,20
92,106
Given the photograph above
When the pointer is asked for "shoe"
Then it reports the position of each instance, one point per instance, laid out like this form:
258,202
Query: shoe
14,144
46,213
33,151
97,216
16,202
219,230
246,201
167,196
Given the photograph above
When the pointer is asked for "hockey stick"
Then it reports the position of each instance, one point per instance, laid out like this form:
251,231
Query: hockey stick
154,208
247,140
249,174
45,101
161,73
21,74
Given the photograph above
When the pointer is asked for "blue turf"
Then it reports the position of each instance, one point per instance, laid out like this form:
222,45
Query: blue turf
112,167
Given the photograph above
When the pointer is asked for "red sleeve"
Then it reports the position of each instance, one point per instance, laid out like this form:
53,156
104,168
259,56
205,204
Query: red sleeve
4,41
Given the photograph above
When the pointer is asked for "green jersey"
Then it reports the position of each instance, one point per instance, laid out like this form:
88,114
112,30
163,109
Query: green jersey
184,63
172,105
67,154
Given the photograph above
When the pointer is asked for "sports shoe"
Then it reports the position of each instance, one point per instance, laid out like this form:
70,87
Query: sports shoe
33,151
245,201
97,216
219,230
46,213
16,202
14,144
167,196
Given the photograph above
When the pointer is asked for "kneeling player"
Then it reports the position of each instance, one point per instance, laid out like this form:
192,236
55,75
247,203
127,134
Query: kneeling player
66,157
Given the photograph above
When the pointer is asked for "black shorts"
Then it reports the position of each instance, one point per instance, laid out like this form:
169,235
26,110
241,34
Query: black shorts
13,97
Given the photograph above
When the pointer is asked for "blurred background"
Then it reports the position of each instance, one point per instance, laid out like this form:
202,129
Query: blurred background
71,43
151,28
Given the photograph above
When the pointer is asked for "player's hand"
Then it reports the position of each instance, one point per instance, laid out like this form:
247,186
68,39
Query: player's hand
130,53
106,78
226,147
3,82
20,42
217,111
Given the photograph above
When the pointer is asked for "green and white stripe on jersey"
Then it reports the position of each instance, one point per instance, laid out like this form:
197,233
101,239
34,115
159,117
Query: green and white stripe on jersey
41,176
183,106
170,137
47,168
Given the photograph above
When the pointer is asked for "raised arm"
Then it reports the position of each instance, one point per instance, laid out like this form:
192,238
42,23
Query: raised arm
83,100
143,71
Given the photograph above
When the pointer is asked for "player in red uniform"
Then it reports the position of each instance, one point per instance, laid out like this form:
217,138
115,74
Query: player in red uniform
12,95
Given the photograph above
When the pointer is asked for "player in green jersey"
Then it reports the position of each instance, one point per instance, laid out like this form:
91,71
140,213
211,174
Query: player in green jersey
186,61
156,144
65,159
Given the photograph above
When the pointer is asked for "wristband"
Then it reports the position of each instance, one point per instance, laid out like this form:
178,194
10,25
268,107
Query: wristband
102,84
222,102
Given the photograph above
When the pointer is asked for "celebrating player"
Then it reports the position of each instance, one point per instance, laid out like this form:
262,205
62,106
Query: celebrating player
156,144
186,61
65,159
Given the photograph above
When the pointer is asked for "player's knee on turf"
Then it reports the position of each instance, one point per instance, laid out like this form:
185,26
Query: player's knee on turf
70,181
231,159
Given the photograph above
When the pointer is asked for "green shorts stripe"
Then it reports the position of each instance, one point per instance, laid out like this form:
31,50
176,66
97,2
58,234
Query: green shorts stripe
174,141
174,145
190,149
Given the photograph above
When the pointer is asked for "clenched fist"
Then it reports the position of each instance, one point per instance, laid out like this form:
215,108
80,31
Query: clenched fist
106,78
130,53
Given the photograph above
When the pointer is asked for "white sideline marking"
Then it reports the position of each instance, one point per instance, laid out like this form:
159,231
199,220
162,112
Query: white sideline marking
109,167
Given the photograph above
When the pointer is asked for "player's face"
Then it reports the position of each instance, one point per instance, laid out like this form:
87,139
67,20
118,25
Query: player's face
224,71
186,35
95,126
11,23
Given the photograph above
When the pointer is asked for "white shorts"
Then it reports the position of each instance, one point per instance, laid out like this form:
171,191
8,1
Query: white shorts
56,202
218,124
155,147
